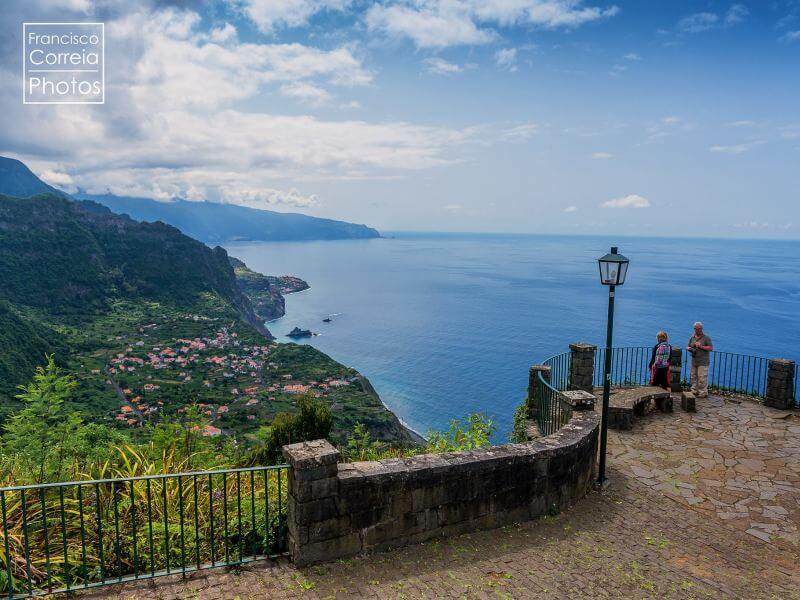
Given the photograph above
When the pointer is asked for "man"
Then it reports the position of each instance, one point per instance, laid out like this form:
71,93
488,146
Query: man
699,347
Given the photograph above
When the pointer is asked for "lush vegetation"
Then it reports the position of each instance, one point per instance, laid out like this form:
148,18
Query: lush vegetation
475,432
129,350
152,323
79,533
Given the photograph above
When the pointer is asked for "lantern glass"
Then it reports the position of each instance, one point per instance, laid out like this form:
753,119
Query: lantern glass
613,268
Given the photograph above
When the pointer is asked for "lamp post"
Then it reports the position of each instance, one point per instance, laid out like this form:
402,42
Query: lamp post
613,269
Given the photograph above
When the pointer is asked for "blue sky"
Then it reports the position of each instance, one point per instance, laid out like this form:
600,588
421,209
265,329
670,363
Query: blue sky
558,116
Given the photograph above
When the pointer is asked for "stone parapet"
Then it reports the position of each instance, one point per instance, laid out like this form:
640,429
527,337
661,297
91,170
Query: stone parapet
367,506
780,383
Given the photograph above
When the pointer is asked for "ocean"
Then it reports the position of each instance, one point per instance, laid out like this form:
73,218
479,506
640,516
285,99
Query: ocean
447,324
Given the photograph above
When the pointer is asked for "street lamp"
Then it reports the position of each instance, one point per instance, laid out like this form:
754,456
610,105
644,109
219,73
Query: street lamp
613,269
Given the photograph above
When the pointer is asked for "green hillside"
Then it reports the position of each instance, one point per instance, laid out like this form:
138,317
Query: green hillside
154,324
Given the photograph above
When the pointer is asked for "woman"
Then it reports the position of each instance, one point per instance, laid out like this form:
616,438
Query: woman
660,361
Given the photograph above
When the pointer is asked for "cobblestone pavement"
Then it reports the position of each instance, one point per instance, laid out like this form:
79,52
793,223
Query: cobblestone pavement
734,459
644,536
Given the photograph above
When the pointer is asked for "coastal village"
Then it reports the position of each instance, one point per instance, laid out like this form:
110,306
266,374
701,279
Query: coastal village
232,381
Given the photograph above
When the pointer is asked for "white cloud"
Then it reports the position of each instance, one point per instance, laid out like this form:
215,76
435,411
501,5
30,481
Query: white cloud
617,70
741,123
791,36
223,34
266,198
629,201
440,66
427,27
658,131
790,131
602,155
520,132
453,207
545,13
571,209
188,115
83,6
698,22
305,92
59,179
506,58
752,225
632,56
704,21
441,23
735,148
163,60
736,14
180,123
271,14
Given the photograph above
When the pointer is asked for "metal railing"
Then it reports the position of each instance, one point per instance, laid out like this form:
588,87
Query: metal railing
728,371
59,537
552,409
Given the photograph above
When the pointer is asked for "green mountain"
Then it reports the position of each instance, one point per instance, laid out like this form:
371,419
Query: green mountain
152,322
74,258
16,179
214,222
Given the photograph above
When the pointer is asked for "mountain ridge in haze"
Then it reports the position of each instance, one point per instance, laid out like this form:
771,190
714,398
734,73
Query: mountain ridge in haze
209,222
216,222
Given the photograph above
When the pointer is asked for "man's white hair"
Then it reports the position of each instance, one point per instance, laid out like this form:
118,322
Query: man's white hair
698,324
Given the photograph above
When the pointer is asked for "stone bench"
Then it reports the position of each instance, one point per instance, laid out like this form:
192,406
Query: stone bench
624,404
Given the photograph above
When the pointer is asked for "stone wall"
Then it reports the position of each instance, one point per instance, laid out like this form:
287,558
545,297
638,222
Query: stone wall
338,510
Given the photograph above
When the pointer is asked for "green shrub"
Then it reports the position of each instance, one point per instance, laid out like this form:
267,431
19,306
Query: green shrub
312,421
477,433
518,435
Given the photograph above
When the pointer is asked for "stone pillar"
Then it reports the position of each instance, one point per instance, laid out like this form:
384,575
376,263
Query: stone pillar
532,400
780,383
312,511
581,369
676,363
